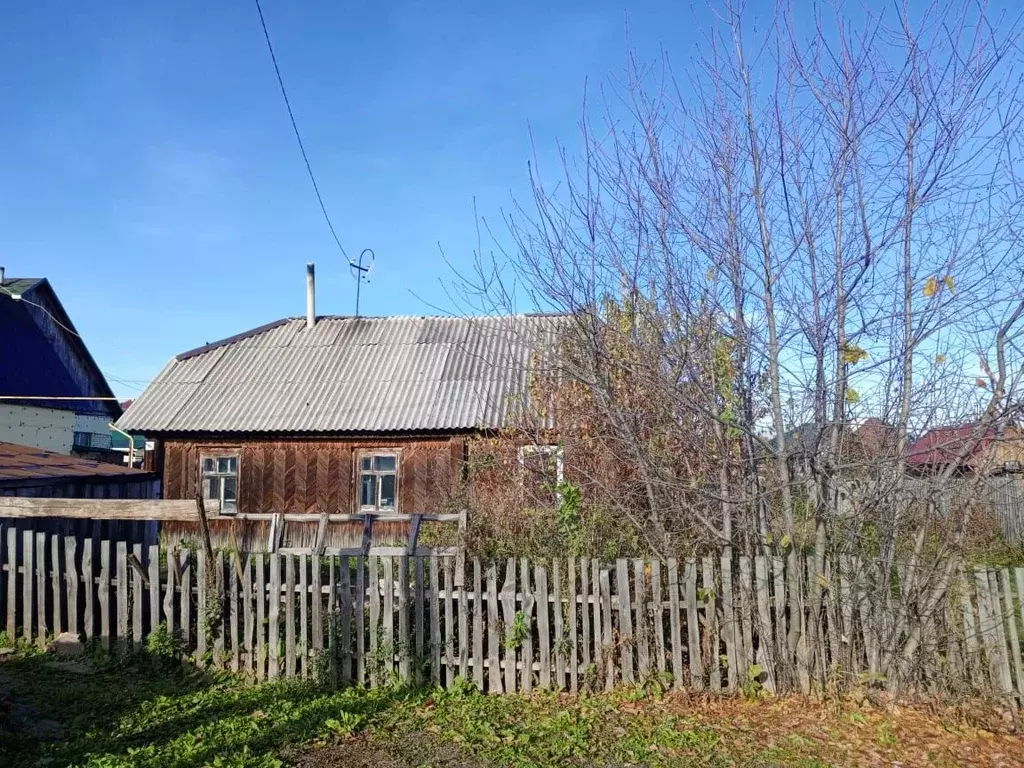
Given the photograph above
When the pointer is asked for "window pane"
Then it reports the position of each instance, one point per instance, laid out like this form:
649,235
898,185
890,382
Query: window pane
212,488
367,462
233,464
223,464
368,492
387,491
230,489
384,463
207,465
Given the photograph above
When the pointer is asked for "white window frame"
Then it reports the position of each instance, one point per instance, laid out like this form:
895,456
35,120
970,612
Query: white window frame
226,508
377,509
543,450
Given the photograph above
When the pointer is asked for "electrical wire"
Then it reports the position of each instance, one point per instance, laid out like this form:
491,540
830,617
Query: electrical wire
19,297
295,127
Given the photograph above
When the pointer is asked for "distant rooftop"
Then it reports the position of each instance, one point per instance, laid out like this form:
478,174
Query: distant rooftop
22,462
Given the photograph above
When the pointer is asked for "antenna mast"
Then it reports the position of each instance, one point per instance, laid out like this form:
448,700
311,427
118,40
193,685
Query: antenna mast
361,273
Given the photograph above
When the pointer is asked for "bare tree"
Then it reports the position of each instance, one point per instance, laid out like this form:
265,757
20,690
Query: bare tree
799,231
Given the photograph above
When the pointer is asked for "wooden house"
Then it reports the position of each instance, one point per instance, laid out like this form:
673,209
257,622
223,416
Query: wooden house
357,415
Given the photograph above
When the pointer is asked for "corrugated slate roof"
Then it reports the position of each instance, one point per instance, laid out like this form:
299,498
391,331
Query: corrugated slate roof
351,374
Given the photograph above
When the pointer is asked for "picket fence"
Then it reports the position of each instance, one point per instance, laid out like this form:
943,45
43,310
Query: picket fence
716,623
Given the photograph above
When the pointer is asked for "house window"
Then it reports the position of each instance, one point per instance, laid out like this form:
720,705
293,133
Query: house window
378,482
83,439
220,481
542,471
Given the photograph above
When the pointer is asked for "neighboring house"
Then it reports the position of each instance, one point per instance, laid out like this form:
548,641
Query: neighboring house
990,475
340,414
47,376
34,472
988,452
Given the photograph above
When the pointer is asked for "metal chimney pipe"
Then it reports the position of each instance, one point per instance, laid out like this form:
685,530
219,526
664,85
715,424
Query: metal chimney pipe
310,296
2,271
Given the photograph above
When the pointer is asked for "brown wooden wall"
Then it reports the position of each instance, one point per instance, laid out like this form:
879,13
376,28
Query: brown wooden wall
319,475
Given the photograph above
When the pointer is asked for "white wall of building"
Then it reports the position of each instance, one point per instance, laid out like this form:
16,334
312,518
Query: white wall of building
47,428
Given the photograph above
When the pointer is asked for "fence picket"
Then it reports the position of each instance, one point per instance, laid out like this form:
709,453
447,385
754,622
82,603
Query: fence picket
202,606
558,646
12,582
625,621
404,645
316,602
478,625
765,658
136,597
27,593
41,629
274,618
573,640
692,627
304,597
730,626
419,606
493,636
248,623
658,617
529,603
375,630
1009,618
289,615
449,624
233,588
262,651
607,651
387,645
56,590
712,641
153,566
344,638
540,576
317,597
507,596
586,595
218,608
640,632
435,622
103,595
675,623
360,613
71,583
89,587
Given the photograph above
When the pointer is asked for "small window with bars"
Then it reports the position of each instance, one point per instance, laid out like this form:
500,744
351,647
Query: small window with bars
378,482
220,482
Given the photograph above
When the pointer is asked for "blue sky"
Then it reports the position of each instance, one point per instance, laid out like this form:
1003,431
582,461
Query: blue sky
150,172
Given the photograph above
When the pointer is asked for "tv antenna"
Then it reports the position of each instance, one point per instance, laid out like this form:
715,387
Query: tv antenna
361,272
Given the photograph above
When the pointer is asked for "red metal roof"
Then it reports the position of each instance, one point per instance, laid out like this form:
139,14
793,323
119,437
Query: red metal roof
944,444
23,462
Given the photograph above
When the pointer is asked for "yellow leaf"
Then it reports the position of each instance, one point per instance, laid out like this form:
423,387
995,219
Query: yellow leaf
931,287
981,383
948,280
785,541
852,354
940,359
852,396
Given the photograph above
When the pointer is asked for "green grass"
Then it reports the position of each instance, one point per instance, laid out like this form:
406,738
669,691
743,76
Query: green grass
148,713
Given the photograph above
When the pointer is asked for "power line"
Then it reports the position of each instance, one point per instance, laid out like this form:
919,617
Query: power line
295,127
23,300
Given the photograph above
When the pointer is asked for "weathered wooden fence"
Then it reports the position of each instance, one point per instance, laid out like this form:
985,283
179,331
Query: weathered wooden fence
713,623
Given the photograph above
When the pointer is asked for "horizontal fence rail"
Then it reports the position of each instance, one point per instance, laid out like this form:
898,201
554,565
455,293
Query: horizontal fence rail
721,623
